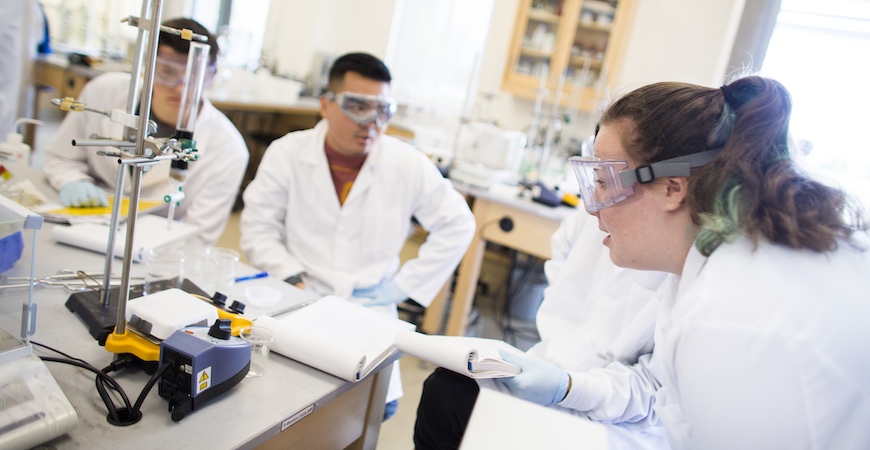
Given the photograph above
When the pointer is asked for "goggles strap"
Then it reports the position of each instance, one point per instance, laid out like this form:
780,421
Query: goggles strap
674,167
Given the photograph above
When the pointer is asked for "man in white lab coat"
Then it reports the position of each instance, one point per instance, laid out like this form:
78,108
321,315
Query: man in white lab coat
594,315
213,181
330,208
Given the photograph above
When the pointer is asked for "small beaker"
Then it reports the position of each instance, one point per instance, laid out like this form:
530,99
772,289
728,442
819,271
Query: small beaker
260,339
164,269
221,264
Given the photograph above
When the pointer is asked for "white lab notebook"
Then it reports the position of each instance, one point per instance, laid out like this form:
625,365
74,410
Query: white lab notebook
336,336
469,356
150,232
501,421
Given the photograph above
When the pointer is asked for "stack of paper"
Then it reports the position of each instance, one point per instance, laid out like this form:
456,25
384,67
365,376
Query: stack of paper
151,232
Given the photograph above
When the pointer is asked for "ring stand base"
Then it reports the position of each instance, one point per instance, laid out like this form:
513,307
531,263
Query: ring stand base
101,320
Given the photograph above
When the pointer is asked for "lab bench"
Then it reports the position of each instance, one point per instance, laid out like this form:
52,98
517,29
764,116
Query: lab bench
325,411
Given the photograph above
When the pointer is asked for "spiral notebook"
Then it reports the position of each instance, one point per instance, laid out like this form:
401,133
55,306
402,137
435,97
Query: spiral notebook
473,357
336,336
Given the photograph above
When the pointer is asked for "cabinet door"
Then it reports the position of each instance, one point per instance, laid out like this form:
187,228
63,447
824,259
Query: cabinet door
534,51
589,38
597,49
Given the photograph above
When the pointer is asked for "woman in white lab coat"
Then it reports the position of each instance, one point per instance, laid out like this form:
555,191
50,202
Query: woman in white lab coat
764,344
594,315
213,180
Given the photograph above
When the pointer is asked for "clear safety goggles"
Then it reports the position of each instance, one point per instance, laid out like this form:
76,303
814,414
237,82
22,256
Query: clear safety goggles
604,183
364,109
170,73
599,181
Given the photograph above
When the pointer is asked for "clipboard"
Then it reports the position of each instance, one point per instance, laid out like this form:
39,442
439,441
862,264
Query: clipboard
56,213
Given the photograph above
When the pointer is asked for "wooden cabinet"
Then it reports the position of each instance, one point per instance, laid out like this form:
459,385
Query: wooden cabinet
66,79
581,39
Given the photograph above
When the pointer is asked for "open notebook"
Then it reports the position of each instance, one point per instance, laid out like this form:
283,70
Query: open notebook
151,232
348,340
470,356
336,336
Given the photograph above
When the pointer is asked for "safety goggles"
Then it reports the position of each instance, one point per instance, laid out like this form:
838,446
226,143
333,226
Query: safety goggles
604,183
364,109
170,73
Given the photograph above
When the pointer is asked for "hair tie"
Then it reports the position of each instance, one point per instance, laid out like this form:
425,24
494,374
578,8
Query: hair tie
729,96
723,127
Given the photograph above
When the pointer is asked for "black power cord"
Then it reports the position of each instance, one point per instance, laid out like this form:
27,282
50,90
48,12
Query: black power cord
129,414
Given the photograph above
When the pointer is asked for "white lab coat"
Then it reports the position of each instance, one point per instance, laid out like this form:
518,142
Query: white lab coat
213,180
610,310
764,348
594,314
767,349
292,221
21,28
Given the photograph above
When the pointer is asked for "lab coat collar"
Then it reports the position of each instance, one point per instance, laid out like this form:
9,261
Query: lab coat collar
315,154
692,268
694,263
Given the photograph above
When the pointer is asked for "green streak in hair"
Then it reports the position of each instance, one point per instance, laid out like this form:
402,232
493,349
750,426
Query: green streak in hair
723,224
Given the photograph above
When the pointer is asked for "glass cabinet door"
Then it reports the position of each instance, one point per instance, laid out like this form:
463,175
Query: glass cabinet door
589,46
573,43
539,37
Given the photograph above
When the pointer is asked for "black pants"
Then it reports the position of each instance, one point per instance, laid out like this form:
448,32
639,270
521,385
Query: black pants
444,410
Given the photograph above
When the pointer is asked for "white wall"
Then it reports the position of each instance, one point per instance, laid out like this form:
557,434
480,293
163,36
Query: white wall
297,29
510,112
680,40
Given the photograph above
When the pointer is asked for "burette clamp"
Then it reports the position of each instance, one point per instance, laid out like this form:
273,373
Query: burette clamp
174,197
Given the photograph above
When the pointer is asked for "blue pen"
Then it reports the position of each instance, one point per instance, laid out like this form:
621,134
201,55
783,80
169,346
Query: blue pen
253,276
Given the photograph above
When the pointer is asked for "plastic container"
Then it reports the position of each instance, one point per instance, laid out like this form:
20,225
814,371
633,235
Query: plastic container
262,296
15,147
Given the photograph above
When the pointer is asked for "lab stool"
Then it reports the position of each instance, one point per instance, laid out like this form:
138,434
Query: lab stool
411,311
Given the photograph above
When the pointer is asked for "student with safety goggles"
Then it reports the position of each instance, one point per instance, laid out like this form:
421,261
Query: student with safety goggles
763,343
364,109
170,68
330,208
212,183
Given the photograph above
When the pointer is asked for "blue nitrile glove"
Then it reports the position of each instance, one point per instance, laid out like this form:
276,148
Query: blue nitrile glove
81,194
11,248
541,381
383,293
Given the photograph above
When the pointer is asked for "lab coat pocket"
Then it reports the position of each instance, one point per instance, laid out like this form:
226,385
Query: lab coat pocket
383,234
